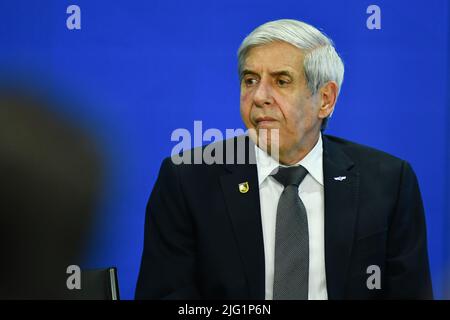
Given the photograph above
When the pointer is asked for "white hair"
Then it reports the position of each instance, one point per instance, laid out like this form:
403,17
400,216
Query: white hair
321,62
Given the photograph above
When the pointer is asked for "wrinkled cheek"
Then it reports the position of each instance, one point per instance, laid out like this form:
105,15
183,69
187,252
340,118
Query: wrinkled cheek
246,103
246,97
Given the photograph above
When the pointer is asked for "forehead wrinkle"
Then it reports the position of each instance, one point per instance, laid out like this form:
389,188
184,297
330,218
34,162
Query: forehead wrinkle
288,71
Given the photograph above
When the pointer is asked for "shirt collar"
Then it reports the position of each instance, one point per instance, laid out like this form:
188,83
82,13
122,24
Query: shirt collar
312,162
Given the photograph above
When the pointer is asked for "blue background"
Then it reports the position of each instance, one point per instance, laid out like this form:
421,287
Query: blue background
139,69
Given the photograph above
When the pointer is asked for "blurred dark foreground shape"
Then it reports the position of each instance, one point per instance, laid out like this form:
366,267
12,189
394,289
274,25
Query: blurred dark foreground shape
49,185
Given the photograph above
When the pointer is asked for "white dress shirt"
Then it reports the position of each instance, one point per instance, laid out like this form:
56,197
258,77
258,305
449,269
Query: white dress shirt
312,194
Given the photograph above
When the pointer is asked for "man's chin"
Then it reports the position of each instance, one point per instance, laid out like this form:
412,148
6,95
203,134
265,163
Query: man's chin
266,140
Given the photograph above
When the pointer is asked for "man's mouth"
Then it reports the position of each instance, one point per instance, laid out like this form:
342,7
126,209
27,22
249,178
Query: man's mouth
265,121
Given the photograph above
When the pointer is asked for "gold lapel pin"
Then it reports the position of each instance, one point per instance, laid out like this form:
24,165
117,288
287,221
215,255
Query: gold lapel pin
243,187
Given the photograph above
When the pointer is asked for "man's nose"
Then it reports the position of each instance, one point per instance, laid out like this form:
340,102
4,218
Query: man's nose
263,96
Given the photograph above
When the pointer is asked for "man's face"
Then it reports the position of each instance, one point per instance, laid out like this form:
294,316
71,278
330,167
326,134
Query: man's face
274,95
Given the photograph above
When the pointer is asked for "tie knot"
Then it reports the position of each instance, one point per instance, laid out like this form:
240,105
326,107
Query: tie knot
290,175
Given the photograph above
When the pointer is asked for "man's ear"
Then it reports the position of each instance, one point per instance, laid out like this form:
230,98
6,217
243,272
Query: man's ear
328,95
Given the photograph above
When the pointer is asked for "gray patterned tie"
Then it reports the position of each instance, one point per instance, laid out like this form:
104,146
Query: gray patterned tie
291,238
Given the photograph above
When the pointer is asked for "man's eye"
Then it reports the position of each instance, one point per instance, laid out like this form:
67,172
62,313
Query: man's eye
250,81
282,82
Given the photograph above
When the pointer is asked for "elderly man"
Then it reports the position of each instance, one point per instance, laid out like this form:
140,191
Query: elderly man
324,219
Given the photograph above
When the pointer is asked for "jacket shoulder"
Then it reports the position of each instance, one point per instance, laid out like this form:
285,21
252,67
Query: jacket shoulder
360,152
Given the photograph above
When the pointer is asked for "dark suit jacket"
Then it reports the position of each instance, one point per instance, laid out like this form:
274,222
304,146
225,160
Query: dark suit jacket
203,238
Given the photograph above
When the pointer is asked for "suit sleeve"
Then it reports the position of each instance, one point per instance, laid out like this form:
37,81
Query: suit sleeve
407,268
168,260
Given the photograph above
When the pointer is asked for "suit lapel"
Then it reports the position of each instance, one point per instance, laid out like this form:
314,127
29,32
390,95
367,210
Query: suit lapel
244,212
341,182
341,196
